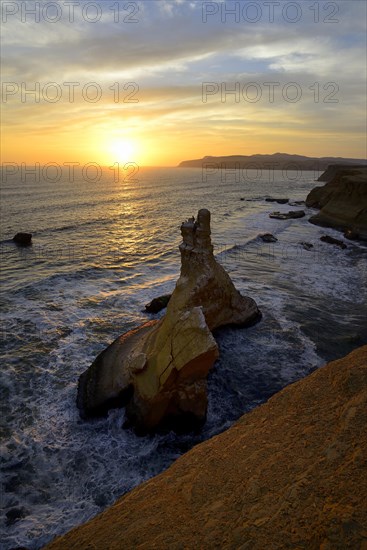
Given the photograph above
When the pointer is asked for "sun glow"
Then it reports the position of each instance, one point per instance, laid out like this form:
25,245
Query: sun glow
123,151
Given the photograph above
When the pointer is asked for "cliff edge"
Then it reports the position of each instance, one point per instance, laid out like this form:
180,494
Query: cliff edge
289,474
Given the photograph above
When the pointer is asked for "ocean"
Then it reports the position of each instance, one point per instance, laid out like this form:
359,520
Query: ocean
103,249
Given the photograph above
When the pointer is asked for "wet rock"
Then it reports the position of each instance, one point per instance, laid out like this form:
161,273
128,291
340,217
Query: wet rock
157,304
279,201
306,246
296,203
23,239
293,214
268,238
331,240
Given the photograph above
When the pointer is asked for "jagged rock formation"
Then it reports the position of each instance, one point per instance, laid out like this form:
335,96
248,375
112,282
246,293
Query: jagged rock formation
342,201
289,474
158,371
203,282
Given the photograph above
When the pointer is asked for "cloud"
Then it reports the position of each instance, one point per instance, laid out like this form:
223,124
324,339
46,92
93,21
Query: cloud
170,52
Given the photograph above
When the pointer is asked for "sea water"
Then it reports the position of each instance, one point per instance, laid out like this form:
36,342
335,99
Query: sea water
102,250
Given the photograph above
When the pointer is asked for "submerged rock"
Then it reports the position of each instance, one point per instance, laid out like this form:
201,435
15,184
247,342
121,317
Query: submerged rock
331,240
158,371
157,304
306,246
279,201
293,214
23,239
296,203
268,238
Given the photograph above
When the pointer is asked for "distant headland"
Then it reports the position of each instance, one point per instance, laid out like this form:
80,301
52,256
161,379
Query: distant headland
276,161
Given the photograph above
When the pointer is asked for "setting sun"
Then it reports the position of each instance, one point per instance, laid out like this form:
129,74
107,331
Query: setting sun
122,151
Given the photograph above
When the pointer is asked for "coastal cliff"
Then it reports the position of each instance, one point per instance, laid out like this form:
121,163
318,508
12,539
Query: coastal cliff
289,474
342,200
276,161
333,169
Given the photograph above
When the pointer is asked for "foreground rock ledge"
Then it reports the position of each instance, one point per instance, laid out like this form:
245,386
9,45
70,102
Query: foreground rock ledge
158,371
289,474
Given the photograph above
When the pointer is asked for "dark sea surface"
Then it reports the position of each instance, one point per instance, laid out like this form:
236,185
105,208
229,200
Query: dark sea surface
101,250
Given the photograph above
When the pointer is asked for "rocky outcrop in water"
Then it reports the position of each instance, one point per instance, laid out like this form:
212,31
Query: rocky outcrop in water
342,201
204,282
158,371
23,239
306,246
289,474
292,215
268,238
279,201
157,304
330,240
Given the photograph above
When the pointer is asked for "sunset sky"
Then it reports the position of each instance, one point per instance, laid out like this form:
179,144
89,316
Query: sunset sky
166,53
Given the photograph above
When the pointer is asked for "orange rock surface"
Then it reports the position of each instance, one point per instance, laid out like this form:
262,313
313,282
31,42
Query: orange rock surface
289,474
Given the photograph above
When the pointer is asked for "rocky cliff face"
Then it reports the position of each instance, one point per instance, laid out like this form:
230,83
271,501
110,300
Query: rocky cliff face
289,474
342,201
158,371
333,169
